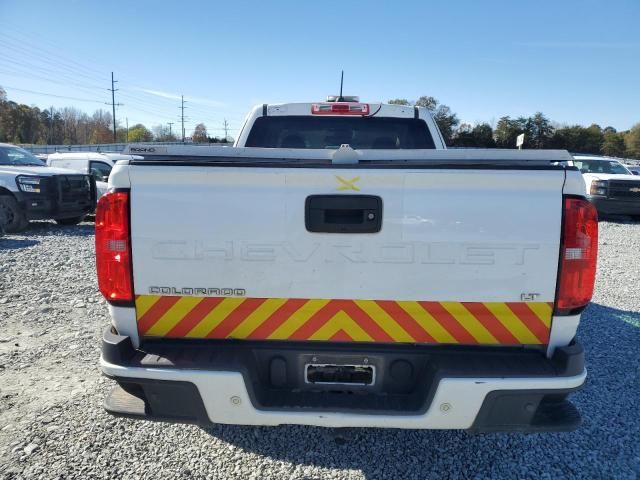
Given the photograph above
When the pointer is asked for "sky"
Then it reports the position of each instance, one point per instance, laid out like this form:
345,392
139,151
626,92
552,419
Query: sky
578,62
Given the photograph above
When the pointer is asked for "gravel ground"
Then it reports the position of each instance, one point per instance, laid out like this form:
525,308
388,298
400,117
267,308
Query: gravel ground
52,424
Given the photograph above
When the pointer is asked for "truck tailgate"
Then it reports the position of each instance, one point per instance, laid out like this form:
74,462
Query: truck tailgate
466,256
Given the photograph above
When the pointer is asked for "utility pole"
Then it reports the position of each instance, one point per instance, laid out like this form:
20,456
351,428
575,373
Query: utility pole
51,126
113,90
226,129
182,107
170,123
127,120
113,105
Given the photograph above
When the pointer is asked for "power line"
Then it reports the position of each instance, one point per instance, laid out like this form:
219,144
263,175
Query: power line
28,69
207,112
22,52
52,95
156,110
49,52
64,65
159,109
160,104
28,73
56,75
135,107
195,105
70,71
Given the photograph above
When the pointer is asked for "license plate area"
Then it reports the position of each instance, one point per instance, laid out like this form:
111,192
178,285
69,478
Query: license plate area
334,374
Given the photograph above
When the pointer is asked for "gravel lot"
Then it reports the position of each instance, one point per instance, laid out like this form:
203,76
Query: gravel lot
52,424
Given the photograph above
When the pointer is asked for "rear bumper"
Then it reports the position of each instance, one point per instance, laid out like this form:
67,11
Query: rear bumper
418,388
613,206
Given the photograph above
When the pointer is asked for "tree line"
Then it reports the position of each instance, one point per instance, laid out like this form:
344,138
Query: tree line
68,126
539,132
22,124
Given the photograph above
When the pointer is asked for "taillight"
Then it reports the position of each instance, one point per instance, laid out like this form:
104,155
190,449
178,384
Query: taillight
578,254
335,108
113,247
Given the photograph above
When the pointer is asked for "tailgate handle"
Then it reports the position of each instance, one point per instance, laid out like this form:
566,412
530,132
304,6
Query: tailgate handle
343,213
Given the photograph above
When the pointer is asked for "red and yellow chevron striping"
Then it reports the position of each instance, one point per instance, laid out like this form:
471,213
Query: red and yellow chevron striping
344,320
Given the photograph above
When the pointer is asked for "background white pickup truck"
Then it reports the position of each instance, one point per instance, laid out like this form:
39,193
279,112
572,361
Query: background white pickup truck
386,283
610,186
30,190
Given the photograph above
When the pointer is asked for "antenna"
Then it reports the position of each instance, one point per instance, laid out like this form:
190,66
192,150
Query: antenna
340,99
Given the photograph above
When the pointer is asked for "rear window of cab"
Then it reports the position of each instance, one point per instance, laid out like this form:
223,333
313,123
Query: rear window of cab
333,131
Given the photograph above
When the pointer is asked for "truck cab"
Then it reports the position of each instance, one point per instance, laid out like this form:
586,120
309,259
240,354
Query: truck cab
330,124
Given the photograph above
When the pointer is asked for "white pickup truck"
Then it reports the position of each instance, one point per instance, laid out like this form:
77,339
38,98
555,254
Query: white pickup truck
30,190
610,185
341,268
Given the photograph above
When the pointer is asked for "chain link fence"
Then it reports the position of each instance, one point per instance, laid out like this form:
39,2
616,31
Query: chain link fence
100,147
